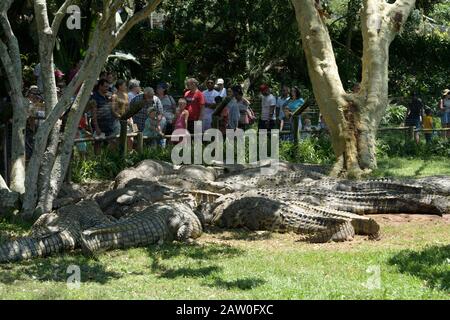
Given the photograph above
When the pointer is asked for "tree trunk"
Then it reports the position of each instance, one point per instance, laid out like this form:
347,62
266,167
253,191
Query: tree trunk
352,119
61,164
10,58
46,167
106,36
19,104
3,185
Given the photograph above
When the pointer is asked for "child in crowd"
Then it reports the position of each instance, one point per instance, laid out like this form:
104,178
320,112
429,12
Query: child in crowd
286,124
307,127
428,124
152,128
83,132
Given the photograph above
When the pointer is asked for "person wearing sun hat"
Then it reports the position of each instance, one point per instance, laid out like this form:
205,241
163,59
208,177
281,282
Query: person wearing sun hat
444,106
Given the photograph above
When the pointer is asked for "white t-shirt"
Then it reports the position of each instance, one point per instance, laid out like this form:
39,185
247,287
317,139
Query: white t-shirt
266,103
210,96
222,93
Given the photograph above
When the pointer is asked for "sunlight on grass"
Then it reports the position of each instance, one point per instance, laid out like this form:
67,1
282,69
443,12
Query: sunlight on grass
404,167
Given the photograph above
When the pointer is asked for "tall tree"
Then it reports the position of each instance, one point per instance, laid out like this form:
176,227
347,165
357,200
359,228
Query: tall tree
352,118
10,58
41,189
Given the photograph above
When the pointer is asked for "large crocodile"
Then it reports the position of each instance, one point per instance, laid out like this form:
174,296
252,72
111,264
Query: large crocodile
84,225
55,232
256,211
160,222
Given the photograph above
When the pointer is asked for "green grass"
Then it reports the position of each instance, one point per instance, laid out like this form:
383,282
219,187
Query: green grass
242,265
413,257
412,167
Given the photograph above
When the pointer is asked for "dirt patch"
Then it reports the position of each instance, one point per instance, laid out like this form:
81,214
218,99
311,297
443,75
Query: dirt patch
397,231
407,218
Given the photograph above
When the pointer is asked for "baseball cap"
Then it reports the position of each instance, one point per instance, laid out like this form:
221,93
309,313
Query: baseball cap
220,81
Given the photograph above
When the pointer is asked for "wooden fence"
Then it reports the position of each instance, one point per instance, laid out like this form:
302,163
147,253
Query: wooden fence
409,134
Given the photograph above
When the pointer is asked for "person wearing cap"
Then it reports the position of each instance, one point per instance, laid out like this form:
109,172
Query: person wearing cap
221,88
139,107
134,89
169,107
196,103
210,104
444,106
268,105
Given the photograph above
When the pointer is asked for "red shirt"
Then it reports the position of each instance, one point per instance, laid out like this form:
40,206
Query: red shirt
83,123
194,103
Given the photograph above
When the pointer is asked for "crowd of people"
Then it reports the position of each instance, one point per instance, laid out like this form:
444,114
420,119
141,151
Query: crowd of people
157,114
421,117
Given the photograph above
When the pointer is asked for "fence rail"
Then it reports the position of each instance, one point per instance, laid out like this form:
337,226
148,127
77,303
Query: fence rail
140,138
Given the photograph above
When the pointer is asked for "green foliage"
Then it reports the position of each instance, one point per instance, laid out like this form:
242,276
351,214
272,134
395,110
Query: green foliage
394,115
316,150
395,145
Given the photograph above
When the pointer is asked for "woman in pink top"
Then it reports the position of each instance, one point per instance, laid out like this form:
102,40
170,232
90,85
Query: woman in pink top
181,122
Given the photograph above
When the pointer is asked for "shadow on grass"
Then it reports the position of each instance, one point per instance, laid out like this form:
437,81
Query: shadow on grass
431,264
56,269
240,234
204,267
240,284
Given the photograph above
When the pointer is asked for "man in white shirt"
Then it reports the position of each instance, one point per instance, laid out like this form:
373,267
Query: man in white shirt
221,88
268,104
134,87
210,104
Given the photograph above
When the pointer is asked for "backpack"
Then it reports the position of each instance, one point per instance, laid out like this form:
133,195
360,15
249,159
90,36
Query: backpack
251,116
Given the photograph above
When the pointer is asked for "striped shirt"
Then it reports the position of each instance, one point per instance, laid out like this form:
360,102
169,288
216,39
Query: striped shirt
142,115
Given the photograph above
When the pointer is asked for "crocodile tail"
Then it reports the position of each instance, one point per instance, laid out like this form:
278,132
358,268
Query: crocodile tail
338,232
29,247
136,231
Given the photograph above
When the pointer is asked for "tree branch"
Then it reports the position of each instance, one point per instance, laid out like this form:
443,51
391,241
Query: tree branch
5,5
135,19
3,185
399,13
59,16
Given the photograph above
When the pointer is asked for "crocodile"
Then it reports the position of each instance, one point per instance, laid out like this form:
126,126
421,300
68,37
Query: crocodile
364,202
85,226
255,211
54,232
160,222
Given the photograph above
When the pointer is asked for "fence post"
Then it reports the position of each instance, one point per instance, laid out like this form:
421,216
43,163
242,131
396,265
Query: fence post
296,133
3,139
123,140
411,133
140,142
